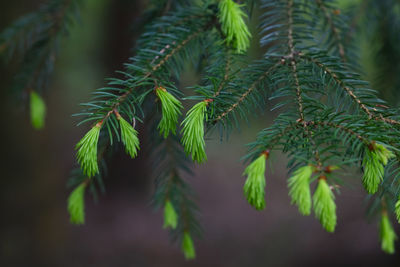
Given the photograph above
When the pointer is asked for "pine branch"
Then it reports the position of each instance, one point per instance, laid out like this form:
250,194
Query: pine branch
335,31
243,97
163,60
340,82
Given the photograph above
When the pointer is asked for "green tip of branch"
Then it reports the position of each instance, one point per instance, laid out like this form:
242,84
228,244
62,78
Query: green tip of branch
374,163
188,246
76,205
38,110
254,187
171,109
193,132
387,234
397,210
324,205
233,25
129,137
299,189
170,216
87,151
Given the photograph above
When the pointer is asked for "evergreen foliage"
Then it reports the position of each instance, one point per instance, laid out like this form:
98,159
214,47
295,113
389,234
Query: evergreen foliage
329,118
76,204
254,187
129,137
33,43
233,25
387,234
193,132
171,109
38,110
299,189
87,151
375,159
188,246
397,210
170,216
324,205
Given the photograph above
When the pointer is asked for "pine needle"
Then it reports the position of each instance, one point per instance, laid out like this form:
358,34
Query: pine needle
233,26
254,187
387,234
299,189
170,216
188,246
324,205
38,110
87,151
129,137
171,109
193,132
397,210
374,163
76,204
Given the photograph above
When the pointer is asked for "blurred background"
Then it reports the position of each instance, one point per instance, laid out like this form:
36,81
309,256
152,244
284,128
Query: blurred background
122,229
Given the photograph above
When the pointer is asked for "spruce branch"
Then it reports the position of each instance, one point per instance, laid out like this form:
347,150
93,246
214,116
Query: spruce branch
329,117
334,29
33,42
226,76
291,56
172,192
243,97
156,67
341,83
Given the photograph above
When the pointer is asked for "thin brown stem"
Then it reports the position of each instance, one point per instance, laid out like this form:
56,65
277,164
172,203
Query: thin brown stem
291,56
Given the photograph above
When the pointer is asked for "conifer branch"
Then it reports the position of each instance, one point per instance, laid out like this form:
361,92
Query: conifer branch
342,84
342,128
330,116
371,112
163,60
252,87
333,28
314,145
226,75
171,191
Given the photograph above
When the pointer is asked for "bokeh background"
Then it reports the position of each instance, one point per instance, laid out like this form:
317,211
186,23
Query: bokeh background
122,229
